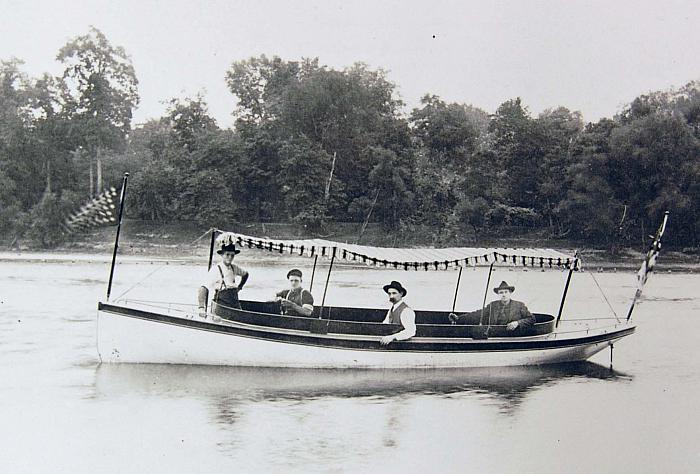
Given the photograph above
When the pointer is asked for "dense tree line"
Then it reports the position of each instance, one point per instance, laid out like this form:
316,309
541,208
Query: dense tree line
313,145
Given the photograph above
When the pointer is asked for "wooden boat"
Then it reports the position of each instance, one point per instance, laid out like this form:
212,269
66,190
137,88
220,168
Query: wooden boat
257,335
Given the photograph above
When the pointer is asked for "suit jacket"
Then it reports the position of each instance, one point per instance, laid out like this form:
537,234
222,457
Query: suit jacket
500,314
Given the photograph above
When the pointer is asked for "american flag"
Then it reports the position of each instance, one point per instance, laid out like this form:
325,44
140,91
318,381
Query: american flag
648,263
99,211
650,260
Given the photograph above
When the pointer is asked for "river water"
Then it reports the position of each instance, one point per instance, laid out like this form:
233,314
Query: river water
63,411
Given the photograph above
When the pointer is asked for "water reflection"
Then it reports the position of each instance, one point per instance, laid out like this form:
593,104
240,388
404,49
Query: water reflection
327,417
507,385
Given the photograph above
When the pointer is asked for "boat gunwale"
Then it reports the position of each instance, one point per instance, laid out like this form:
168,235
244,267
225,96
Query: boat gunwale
371,343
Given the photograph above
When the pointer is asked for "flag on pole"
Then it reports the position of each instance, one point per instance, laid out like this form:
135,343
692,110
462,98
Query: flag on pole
99,211
648,263
650,260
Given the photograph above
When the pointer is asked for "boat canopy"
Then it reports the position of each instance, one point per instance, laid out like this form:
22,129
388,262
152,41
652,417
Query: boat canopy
406,258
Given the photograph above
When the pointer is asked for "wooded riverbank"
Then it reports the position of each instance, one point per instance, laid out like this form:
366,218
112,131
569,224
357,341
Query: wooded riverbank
187,241
319,146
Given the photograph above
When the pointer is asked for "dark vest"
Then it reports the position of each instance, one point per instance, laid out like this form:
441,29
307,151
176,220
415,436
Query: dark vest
395,313
295,297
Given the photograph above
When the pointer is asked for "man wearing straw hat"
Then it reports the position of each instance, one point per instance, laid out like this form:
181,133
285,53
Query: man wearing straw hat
225,279
399,313
504,311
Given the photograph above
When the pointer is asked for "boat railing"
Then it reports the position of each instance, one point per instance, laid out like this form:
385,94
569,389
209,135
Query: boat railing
168,306
588,329
569,327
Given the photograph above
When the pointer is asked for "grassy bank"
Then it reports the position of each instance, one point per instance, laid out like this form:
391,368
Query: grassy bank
186,239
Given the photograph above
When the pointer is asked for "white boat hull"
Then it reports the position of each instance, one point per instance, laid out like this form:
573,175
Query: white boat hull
136,340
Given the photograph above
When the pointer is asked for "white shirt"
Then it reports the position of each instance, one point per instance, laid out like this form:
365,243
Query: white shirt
214,281
408,321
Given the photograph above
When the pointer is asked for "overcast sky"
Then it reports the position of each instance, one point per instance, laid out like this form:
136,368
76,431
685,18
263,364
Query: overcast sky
592,56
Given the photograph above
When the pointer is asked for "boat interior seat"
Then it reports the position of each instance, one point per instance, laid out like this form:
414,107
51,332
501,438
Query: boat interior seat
365,315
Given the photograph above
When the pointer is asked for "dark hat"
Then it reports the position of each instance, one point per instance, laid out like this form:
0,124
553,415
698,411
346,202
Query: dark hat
504,286
397,286
294,272
228,248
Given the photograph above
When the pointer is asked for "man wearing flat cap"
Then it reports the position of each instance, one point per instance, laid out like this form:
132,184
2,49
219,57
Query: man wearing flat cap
296,301
224,280
504,311
399,313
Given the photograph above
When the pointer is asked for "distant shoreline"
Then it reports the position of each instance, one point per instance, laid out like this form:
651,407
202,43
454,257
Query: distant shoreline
187,242
673,262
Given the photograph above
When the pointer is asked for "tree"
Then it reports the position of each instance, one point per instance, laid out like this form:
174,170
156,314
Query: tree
20,169
517,147
154,191
447,139
191,167
189,119
260,85
343,113
28,158
100,93
45,219
304,167
449,131
589,208
558,129
391,177
346,113
473,213
10,208
654,160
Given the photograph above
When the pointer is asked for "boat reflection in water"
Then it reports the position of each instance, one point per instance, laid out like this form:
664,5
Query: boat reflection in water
226,386
304,420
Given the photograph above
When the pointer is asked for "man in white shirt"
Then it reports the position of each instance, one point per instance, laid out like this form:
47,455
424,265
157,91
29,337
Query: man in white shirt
399,313
224,280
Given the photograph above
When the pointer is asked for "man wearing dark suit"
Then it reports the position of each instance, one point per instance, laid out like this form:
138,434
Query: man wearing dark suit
504,311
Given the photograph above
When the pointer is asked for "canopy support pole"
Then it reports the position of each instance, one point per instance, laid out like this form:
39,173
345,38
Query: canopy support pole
483,305
454,302
116,239
566,289
214,234
313,272
325,289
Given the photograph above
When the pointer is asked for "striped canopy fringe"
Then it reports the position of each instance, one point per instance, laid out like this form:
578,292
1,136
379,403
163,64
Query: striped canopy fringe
432,259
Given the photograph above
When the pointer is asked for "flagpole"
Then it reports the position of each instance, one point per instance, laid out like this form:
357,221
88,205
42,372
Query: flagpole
116,240
637,294
648,264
